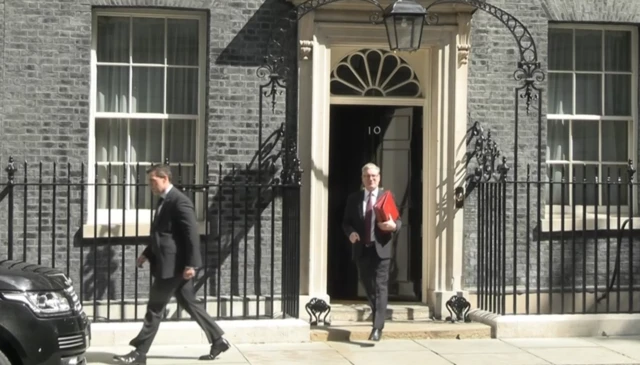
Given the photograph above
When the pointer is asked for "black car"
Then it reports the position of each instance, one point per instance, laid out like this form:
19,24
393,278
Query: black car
41,317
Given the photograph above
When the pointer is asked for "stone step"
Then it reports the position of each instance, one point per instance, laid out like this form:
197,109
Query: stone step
411,330
360,312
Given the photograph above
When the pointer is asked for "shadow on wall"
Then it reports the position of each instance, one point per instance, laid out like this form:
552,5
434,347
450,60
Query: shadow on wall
225,243
250,45
233,211
246,198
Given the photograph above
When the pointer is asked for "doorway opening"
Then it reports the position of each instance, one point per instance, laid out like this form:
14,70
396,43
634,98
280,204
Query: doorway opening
390,137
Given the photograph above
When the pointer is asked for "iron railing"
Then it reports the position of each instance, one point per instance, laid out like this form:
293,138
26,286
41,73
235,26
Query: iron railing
93,232
568,246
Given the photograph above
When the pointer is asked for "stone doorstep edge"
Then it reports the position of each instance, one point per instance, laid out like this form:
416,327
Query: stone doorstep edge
558,325
189,333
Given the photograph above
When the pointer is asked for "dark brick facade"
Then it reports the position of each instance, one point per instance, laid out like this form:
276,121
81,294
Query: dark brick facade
491,102
45,116
45,49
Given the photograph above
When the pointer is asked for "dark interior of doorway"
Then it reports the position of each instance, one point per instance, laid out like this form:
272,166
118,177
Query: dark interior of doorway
352,144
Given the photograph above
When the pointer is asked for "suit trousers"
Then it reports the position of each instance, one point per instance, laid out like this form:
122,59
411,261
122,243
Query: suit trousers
159,296
374,275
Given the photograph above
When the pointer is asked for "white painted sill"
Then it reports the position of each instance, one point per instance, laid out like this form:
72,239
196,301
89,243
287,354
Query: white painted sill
127,230
591,223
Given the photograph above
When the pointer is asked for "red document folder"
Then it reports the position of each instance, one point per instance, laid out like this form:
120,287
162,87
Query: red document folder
385,206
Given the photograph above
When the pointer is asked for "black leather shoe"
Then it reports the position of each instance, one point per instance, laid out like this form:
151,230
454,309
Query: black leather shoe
216,350
132,358
375,335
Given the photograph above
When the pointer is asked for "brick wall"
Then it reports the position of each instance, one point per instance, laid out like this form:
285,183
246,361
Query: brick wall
491,102
45,117
491,95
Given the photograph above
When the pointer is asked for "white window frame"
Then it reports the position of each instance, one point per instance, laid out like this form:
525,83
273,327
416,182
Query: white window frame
553,214
144,216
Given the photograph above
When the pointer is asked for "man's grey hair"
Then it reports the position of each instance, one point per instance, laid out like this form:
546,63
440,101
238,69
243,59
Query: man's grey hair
370,166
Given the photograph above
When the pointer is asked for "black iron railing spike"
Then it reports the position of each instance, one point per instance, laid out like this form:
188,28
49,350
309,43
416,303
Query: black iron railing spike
503,169
11,170
631,170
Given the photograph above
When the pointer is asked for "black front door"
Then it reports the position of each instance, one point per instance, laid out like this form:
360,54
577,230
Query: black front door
391,137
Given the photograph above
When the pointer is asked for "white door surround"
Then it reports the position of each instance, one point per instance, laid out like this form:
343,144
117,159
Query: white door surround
441,68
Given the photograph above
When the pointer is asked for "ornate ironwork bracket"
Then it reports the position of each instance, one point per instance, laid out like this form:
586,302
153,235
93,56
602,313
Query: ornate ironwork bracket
528,70
486,154
459,306
315,308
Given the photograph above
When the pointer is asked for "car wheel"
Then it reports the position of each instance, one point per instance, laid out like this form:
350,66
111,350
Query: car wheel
4,360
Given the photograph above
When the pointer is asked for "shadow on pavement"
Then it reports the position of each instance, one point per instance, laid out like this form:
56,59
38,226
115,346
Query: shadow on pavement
100,357
107,357
334,334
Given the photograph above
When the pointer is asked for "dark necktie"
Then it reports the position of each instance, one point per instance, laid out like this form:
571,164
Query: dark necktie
368,215
160,201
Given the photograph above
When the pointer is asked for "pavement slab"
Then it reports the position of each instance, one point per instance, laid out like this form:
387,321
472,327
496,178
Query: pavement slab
583,356
517,358
526,343
482,346
534,351
395,357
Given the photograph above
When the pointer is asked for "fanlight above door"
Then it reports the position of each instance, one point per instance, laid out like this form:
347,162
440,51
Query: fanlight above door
374,73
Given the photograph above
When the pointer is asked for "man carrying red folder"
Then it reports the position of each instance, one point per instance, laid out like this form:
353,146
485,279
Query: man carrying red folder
370,221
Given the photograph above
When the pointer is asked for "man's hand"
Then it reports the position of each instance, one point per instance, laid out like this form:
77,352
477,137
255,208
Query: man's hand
188,273
354,237
387,226
141,260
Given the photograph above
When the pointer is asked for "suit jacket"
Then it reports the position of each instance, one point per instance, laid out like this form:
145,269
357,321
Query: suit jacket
353,221
175,242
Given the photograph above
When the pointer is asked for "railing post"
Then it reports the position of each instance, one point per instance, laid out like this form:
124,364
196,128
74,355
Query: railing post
11,172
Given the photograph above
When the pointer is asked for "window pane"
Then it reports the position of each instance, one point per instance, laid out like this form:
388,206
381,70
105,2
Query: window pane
588,50
180,141
588,94
558,140
113,89
182,91
618,95
111,140
182,42
140,193
585,190
614,193
557,173
615,136
617,51
560,93
560,49
146,138
183,175
148,86
113,39
585,140
148,40
110,186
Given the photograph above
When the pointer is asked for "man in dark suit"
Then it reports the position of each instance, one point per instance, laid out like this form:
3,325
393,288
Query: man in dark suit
371,244
174,256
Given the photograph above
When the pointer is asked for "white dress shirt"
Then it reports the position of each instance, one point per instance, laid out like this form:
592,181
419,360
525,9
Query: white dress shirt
164,195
